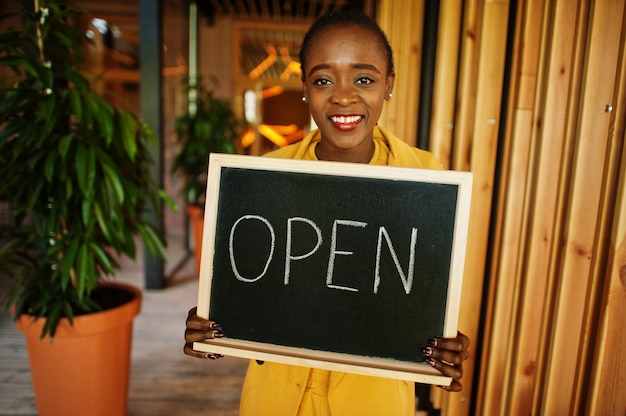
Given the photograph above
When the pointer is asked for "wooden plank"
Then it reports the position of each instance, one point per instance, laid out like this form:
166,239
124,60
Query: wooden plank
484,144
610,351
402,22
603,292
444,90
548,146
463,134
466,89
566,338
444,97
507,238
610,354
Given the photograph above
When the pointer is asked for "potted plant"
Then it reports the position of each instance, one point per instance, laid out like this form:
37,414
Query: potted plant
75,173
210,125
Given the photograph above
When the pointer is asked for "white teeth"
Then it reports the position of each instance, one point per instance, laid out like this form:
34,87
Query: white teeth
344,119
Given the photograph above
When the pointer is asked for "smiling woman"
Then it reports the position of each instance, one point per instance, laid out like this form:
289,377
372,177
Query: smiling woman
347,74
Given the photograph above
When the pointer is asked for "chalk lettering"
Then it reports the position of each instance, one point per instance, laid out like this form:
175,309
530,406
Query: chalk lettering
288,256
407,281
231,248
407,278
334,252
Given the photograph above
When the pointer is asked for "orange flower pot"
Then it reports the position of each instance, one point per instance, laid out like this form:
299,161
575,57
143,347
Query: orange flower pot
85,369
196,221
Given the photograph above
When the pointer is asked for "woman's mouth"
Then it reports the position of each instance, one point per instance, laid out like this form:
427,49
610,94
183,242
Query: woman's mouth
346,123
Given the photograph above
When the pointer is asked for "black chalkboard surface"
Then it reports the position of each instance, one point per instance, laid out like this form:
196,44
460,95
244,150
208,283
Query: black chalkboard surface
333,265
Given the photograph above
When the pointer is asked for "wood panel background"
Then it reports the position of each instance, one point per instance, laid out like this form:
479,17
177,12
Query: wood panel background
529,95
397,19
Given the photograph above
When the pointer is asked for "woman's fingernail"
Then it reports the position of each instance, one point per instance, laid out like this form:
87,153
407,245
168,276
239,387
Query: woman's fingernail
215,325
218,335
430,362
427,351
432,342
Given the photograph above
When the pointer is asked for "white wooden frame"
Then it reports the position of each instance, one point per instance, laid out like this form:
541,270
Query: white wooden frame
321,359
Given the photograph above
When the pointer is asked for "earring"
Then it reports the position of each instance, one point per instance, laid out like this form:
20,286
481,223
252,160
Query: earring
389,96
304,99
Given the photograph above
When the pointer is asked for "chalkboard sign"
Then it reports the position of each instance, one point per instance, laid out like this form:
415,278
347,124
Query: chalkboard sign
340,266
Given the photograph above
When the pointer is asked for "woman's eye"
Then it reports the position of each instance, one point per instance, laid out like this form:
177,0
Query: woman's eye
364,80
321,82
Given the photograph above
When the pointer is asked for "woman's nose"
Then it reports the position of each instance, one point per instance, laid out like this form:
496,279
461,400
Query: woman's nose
344,95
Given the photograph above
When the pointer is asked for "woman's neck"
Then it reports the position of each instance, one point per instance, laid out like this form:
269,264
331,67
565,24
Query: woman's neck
362,154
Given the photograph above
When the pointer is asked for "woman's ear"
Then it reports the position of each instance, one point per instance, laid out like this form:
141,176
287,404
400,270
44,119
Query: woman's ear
304,92
389,81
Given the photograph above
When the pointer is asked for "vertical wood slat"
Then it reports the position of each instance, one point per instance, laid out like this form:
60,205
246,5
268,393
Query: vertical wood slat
609,349
508,236
465,102
610,353
444,89
493,18
563,366
466,86
399,20
538,234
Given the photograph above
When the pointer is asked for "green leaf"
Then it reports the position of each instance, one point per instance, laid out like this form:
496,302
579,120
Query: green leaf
69,189
75,102
67,263
102,111
91,167
169,201
152,241
147,132
69,313
102,258
113,178
81,167
82,272
85,168
86,205
64,145
48,113
77,80
128,130
49,165
52,320
102,222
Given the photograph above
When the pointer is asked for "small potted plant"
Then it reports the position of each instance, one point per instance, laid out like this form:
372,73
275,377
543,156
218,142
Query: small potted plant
75,173
210,126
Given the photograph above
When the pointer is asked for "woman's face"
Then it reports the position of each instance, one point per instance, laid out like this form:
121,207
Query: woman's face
346,85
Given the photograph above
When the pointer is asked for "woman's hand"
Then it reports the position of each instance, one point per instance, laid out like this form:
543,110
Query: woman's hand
447,355
200,329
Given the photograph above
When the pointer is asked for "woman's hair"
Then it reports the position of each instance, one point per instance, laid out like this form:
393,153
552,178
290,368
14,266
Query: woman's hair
344,18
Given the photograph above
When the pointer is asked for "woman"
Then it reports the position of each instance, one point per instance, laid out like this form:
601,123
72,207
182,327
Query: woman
347,74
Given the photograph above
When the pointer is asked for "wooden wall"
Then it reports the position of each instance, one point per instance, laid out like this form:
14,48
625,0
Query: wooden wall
400,112
529,95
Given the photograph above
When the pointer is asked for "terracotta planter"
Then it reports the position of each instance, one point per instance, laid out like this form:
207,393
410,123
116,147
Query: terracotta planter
196,221
85,369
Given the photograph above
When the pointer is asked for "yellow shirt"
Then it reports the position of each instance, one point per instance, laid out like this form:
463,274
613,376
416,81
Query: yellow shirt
284,390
